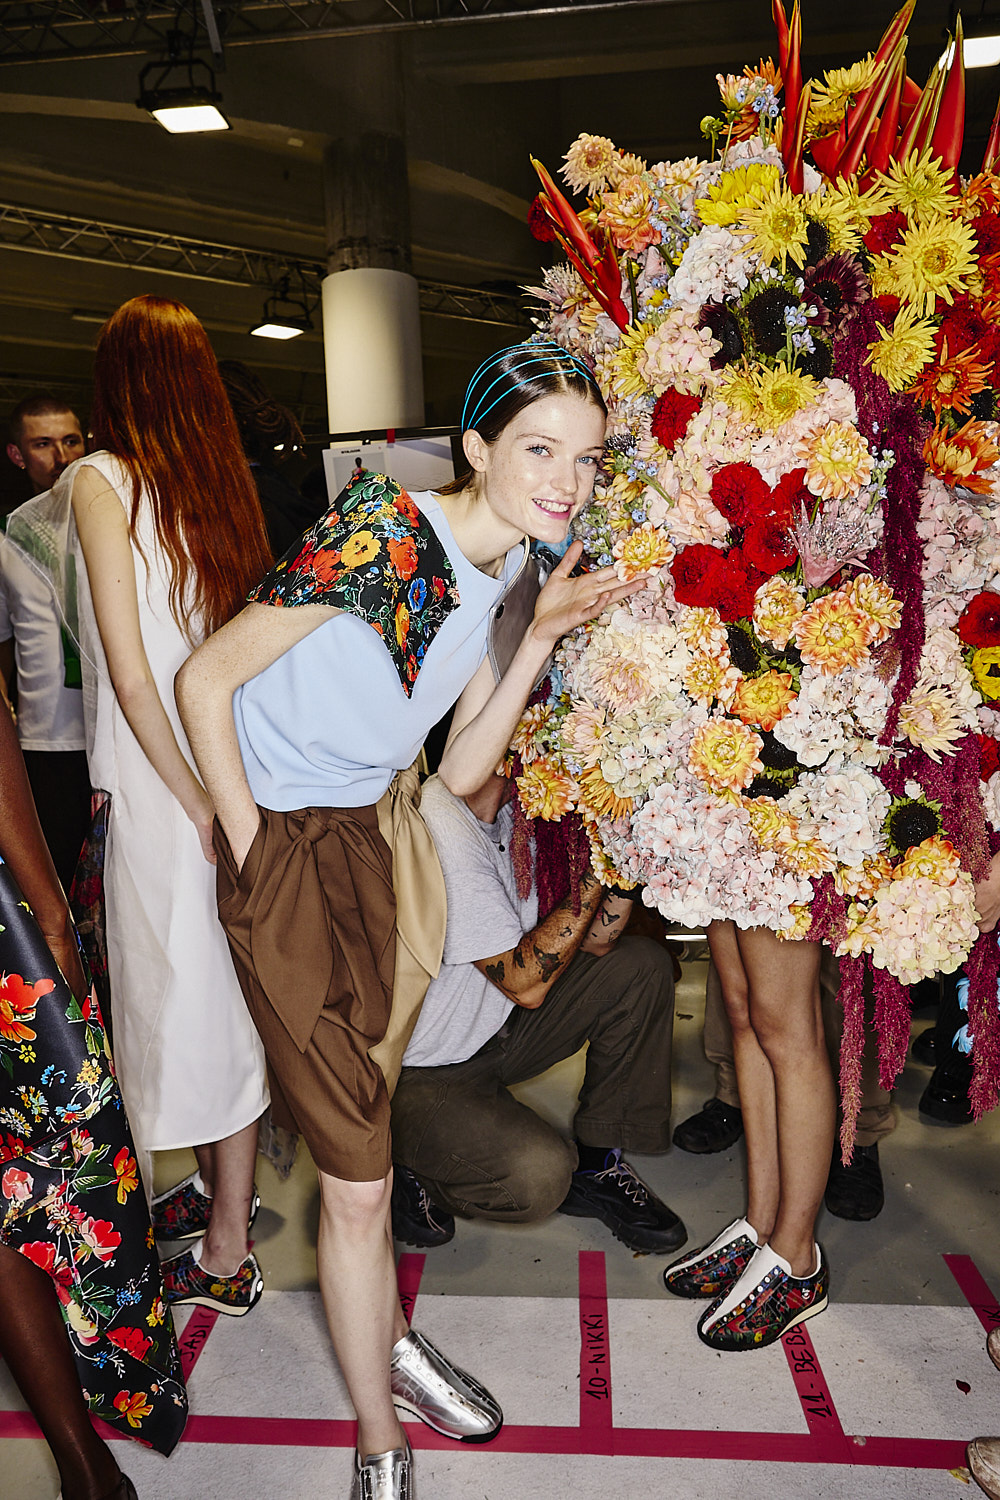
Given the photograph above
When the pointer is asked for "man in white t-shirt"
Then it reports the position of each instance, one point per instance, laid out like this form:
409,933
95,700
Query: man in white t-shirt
36,652
514,996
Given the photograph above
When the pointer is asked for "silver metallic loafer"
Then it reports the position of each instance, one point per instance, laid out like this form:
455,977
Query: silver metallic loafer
427,1385
384,1476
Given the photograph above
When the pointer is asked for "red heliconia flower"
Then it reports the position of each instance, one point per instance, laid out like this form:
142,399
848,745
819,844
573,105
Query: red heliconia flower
693,568
539,222
739,493
979,623
671,415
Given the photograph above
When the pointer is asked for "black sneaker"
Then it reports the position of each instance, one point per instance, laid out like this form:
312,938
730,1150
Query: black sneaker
415,1219
923,1049
715,1127
855,1191
623,1202
946,1097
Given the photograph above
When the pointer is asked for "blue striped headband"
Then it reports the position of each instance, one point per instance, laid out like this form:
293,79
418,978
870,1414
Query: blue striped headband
539,353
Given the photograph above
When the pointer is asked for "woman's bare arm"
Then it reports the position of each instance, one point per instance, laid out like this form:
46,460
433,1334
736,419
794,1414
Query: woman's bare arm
204,688
25,852
487,712
107,549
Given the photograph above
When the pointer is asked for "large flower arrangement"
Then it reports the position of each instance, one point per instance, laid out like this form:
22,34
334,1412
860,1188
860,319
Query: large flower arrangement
792,723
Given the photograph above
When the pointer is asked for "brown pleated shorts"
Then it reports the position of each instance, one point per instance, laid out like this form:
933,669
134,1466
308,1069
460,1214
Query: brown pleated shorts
311,923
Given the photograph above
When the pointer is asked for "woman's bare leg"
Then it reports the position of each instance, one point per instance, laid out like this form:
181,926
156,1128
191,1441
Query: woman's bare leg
785,1014
755,1081
227,1169
357,1277
35,1346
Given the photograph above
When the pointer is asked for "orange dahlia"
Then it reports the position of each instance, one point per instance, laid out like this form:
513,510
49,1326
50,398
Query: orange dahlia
725,755
949,383
764,700
544,792
833,634
961,458
599,796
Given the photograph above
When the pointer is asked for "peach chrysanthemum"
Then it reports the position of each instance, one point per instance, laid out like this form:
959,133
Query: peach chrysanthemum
709,679
643,550
600,798
531,723
678,177
862,881
589,163
583,730
627,214
796,929
838,461
877,603
934,859
725,755
808,856
833,634
702,628
544,792
764,700
961,458
930,719
776,609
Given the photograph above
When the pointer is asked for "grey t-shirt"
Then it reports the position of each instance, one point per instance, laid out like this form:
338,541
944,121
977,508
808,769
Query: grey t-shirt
463,1008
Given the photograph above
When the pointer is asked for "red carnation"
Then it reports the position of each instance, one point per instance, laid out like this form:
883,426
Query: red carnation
885,231
979,622
671,415
739,493
987,227
789,495
539,222
733,587
768,546
962,325
693,569
989,756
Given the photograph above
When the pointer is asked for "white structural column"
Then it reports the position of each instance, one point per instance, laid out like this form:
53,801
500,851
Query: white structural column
371,310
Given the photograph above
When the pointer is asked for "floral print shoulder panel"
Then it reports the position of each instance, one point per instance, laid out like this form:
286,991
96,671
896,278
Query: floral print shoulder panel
71,1199
375,556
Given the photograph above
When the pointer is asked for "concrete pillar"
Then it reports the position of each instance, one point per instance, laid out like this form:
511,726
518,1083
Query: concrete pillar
371,308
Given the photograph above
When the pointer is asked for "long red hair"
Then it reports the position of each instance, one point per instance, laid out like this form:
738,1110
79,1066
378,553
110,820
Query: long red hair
161,408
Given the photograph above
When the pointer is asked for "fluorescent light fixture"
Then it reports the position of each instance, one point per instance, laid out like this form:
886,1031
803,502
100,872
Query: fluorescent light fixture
284,316
980,52
178,100
189,117
271,329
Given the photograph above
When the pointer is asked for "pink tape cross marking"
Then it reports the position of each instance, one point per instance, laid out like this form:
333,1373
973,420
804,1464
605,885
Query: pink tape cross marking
975,1290
408,1274
814,1395
596,1414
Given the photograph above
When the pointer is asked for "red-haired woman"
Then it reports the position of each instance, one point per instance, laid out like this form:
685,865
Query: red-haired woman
168,527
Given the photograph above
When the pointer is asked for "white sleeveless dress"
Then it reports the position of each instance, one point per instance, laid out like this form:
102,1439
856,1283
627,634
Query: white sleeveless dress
189,1061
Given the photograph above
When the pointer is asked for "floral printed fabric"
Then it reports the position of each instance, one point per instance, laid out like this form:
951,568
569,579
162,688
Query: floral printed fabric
374,555
70,1195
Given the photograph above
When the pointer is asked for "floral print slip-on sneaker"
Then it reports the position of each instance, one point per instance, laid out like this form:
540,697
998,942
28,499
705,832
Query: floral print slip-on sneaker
712,1270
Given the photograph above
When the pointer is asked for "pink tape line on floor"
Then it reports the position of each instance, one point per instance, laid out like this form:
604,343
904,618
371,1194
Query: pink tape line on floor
408,1274
596,1413
814,1395
975,1290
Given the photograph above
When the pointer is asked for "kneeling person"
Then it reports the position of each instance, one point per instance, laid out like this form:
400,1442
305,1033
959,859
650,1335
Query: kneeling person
516,995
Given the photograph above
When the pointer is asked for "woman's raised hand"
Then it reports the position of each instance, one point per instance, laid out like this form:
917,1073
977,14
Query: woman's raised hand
565,602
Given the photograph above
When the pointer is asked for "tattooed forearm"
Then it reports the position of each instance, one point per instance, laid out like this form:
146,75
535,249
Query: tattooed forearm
548,963
495,972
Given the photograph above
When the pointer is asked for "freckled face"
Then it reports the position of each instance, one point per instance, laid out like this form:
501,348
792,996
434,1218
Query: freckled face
540,471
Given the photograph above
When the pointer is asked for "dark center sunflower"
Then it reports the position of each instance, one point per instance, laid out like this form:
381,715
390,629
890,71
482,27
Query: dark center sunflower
817,241
775,755
722,324
818,363
765,315
744,651
909,823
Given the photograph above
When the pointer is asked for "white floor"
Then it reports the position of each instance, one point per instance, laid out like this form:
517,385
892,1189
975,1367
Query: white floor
876,1397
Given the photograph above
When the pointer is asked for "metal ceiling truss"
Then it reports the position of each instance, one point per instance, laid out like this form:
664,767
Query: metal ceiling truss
33,29
97,243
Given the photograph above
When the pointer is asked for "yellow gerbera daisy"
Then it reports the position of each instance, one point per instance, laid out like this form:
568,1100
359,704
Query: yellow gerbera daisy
919,186
734,190
899,356
934,260
841,85
778,226
768,398
589,163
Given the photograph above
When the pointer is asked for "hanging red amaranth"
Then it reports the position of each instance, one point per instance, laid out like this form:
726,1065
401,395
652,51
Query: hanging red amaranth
892,1023
982,968
852,1041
